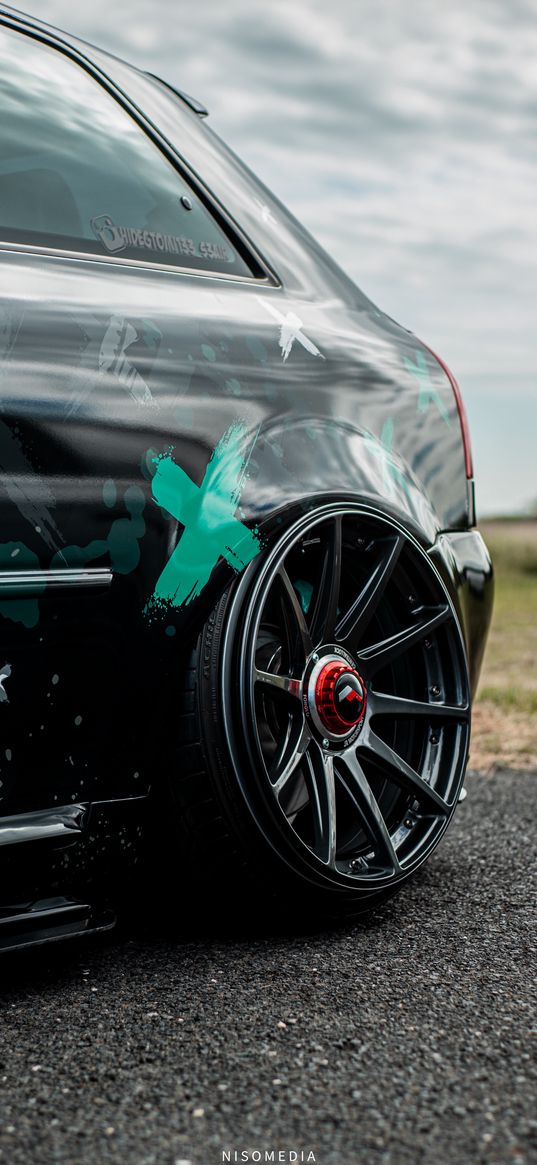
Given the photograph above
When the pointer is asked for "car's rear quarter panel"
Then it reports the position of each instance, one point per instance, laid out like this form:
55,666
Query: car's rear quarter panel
105,367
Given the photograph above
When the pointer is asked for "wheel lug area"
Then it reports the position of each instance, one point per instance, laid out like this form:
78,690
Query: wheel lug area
340,697
334,697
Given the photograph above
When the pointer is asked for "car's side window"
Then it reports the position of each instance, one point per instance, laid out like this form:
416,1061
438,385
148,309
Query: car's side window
77,173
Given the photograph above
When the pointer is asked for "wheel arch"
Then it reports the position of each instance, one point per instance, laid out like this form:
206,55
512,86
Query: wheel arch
298,463
292,467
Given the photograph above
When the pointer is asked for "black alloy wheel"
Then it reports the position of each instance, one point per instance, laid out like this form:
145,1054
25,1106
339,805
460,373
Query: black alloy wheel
326,721
346,700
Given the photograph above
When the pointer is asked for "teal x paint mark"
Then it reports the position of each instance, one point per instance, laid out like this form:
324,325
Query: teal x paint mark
383,449
428,393
207,512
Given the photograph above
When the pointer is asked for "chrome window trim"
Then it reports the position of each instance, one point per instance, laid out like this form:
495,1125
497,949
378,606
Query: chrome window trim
144,265
213,205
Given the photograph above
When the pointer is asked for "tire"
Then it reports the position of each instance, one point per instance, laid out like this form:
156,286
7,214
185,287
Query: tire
325,724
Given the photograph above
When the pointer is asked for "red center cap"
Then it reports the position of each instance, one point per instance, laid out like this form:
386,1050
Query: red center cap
340,697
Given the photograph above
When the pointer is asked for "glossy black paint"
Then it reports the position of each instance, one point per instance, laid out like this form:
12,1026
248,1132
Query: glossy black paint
93,687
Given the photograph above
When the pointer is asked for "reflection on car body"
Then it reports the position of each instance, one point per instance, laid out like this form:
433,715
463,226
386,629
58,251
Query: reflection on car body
243,599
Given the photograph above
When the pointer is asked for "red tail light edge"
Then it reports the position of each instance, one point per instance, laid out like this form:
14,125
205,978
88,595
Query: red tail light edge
468,461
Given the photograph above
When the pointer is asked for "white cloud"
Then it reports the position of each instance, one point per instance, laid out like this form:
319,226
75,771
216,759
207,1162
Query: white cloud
402,134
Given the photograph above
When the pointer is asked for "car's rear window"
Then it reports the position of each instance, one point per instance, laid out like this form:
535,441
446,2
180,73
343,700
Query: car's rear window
77,173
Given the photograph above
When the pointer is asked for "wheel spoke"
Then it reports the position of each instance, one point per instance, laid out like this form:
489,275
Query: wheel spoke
351,628
298,636
321,787
324,615
346,585
384,652
352,775
278,685
382,704
289,754
401,773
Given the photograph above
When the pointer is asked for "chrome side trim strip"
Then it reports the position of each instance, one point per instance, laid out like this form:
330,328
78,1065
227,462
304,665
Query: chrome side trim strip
47,823
29,582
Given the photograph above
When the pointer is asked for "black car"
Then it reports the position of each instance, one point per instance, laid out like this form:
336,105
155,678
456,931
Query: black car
243,601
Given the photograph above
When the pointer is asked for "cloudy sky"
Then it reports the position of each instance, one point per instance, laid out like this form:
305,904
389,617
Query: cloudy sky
403,134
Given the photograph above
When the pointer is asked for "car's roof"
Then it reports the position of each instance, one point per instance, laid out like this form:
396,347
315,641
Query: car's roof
28,20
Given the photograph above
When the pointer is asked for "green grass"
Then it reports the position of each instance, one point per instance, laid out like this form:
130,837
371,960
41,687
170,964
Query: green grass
509,697
505,723
510,670
513,546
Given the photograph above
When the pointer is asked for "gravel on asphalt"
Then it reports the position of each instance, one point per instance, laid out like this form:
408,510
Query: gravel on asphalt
402,1040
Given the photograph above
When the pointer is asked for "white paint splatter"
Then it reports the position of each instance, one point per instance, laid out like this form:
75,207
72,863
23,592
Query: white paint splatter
265,212
113,358
290,330
5,673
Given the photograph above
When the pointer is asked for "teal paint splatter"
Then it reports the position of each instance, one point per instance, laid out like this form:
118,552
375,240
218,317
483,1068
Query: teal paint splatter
304,590
147,464
212,531
109,494
233,386
25,611
121,543
383,448
428,393
208,352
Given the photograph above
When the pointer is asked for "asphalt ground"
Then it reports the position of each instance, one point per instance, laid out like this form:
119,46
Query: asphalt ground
404,1039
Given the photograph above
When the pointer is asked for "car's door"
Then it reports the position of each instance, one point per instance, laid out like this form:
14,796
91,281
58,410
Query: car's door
117,282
